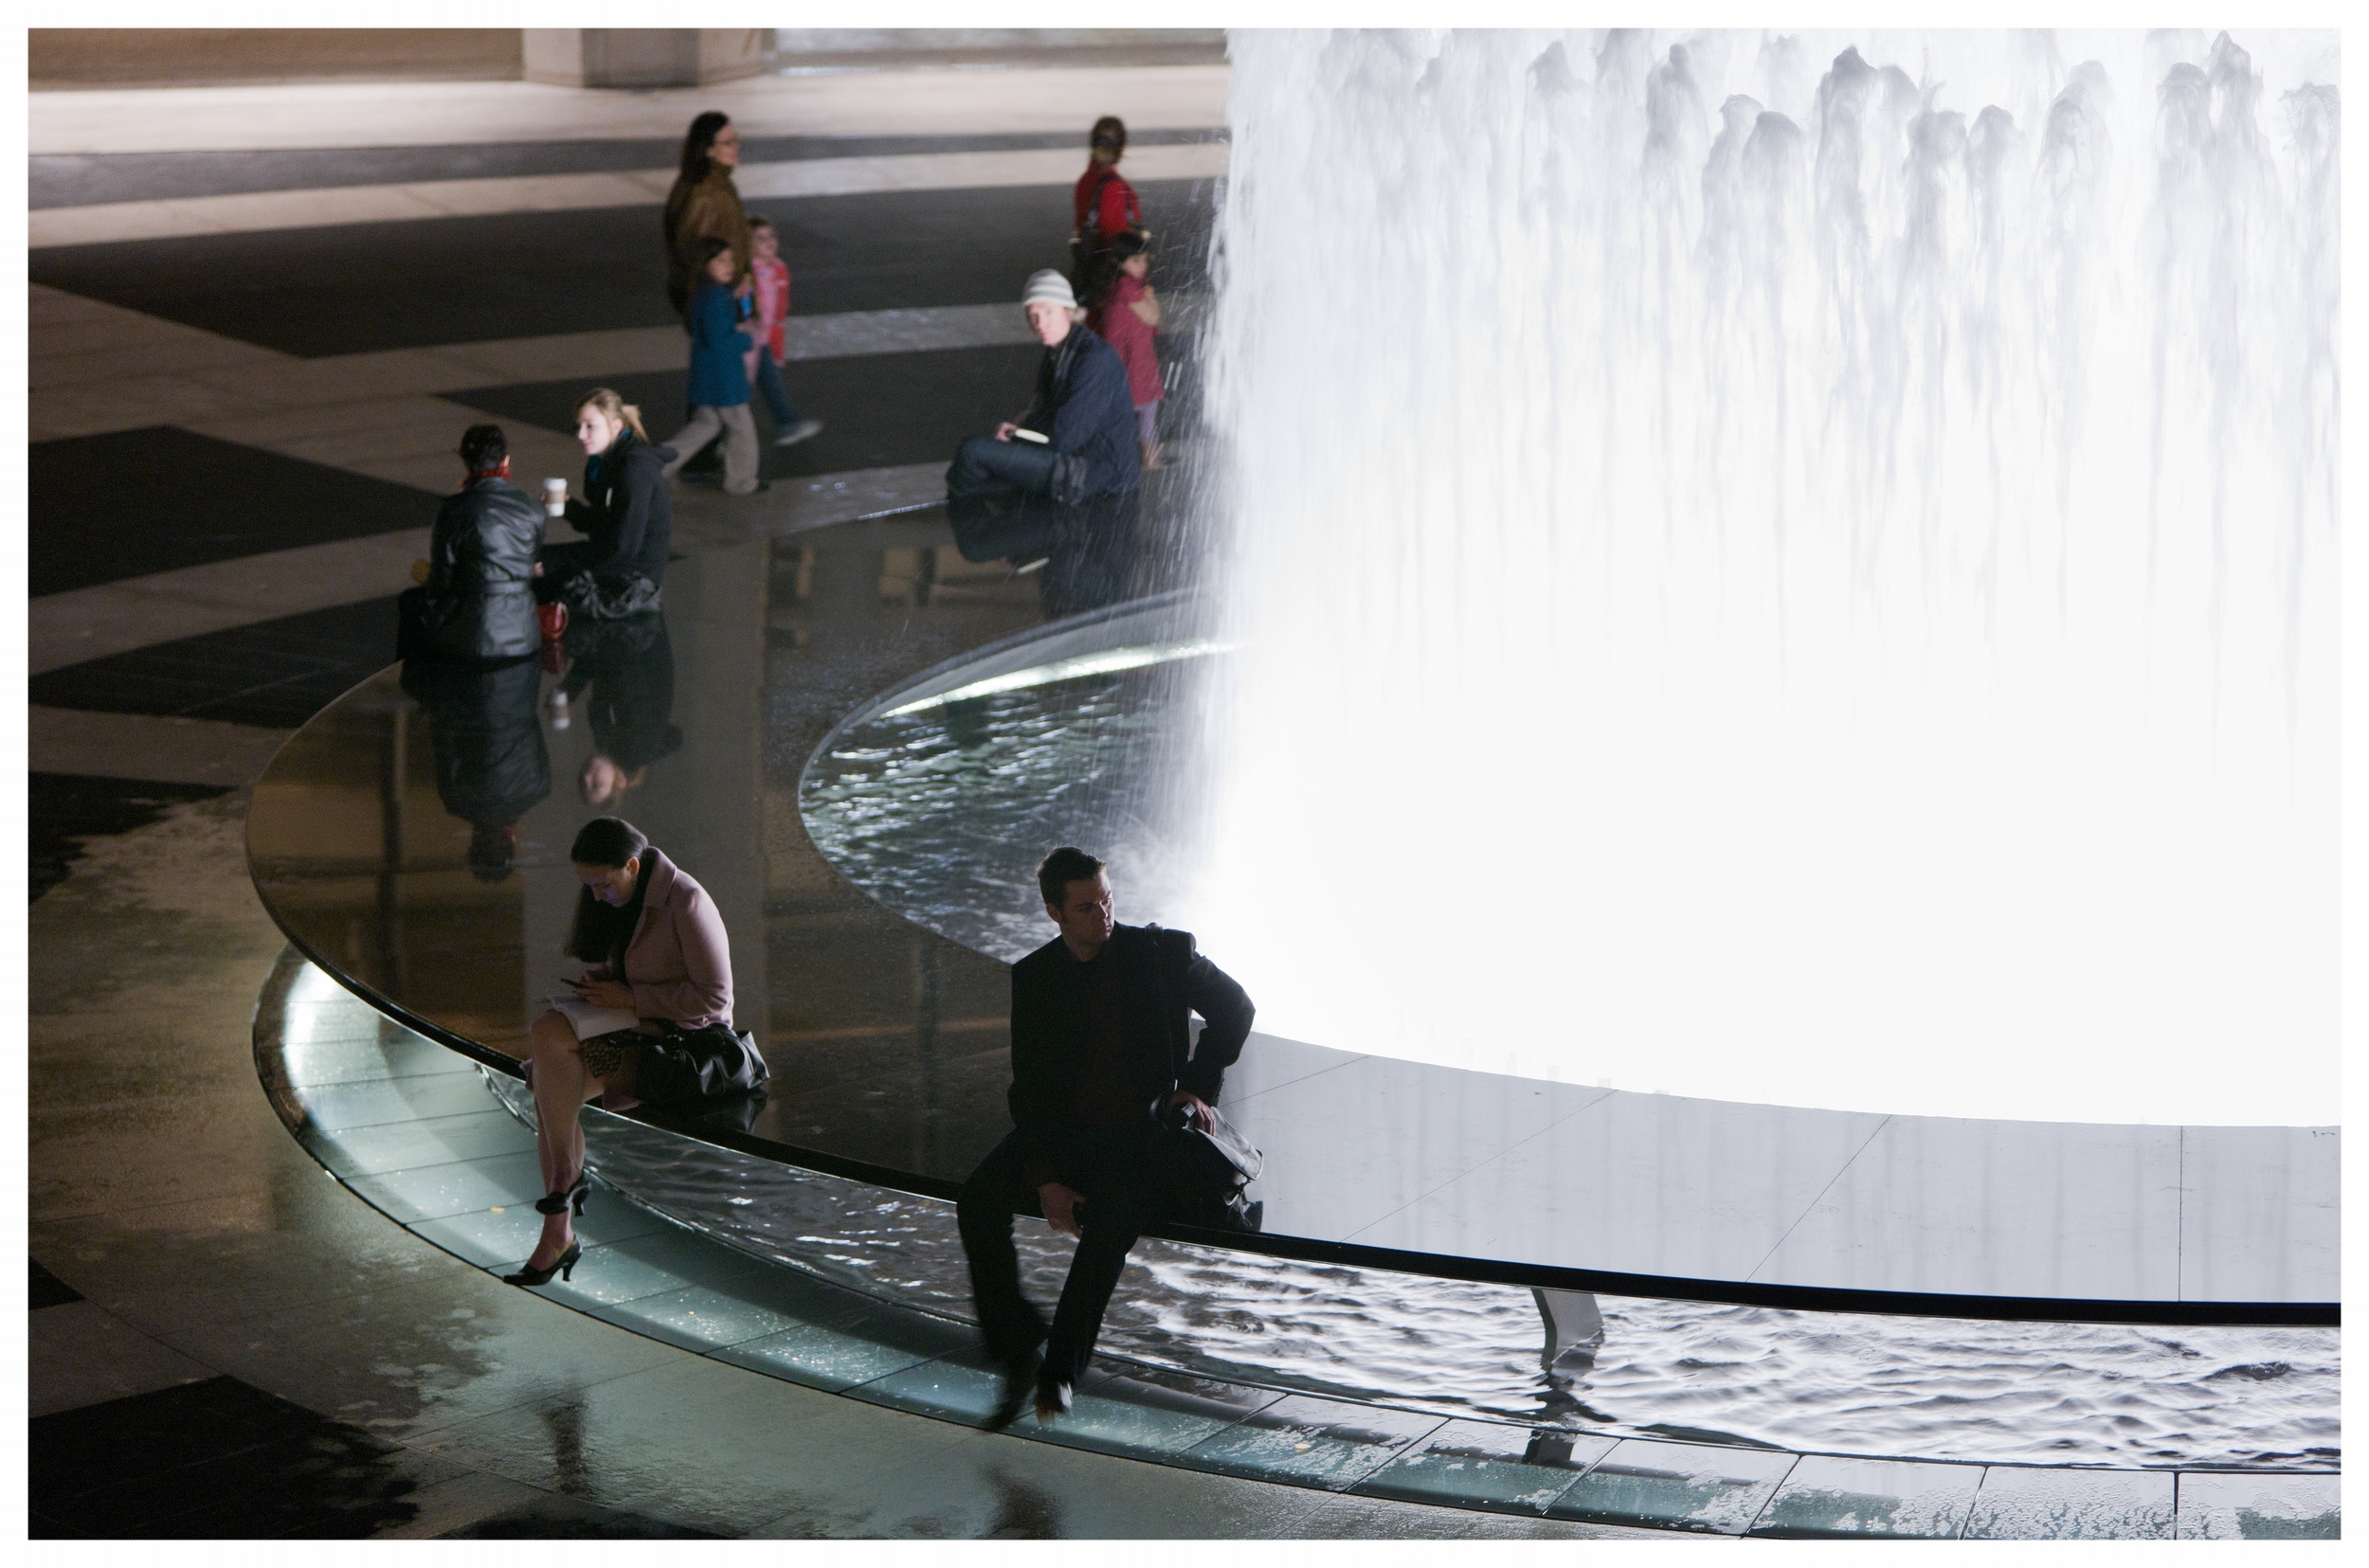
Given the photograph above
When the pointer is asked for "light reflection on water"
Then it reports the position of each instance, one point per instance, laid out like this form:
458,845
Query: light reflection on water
941,815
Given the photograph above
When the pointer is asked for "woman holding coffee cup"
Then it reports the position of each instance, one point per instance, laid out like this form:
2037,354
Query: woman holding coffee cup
625,517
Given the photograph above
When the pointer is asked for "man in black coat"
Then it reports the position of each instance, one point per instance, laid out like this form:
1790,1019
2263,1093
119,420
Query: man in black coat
1100,1045
478,604
1069,497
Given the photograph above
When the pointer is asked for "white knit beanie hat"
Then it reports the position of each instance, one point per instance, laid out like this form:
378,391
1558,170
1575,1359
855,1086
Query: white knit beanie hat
1051,287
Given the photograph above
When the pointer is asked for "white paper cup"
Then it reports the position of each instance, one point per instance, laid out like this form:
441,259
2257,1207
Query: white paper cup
555,497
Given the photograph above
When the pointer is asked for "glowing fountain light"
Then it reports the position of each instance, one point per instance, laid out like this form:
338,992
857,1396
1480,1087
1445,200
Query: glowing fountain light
1786,568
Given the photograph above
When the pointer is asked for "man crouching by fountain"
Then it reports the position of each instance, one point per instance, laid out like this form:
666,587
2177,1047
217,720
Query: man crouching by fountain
1059,485
1098,1036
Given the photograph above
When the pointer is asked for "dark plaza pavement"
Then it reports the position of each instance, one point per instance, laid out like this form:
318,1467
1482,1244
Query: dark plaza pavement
358,287
209,1316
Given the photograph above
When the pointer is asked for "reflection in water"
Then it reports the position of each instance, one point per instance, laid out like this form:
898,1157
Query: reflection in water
942,812
628,668
1934,1388
492,765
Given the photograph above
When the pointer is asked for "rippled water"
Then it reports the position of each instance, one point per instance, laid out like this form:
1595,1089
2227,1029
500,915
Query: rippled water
941,815
1926,1388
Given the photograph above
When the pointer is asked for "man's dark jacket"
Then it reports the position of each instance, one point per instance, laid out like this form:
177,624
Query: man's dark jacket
479,603
1161,977
625,513
1081,403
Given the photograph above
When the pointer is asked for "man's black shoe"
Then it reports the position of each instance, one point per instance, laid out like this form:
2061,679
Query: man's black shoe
1052,1395
1019,1377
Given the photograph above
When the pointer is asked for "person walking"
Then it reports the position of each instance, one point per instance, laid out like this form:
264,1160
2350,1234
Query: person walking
1104,202
478,600
703,205
659,996
1098,1026
770,277
720,377
1060,482
625,515
1125,312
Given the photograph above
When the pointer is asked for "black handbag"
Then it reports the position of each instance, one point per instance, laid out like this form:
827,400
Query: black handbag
1206,1174
699,1064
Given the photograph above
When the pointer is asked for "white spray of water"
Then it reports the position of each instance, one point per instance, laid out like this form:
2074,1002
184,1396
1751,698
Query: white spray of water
1789,570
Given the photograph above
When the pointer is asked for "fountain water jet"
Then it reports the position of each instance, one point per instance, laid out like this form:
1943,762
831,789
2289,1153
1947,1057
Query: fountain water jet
1826,599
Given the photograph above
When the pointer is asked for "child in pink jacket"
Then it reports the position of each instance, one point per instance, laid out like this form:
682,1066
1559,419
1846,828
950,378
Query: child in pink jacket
1126,316
770,275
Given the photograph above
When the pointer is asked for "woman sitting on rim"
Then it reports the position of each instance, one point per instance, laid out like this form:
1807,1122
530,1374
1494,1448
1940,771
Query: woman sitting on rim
660,955
625,515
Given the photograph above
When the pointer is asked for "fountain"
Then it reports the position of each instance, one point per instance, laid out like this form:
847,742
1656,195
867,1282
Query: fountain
1794,569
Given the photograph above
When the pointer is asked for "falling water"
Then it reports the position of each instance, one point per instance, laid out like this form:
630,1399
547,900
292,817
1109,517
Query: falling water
1786,568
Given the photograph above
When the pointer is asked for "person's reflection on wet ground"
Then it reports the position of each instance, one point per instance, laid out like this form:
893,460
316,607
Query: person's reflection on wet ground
492,765
628,668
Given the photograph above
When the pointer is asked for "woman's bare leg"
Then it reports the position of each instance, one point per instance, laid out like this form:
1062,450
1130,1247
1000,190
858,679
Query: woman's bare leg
560,1090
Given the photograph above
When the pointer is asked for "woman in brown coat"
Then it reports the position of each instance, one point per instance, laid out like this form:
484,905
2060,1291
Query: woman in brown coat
704,203
658,953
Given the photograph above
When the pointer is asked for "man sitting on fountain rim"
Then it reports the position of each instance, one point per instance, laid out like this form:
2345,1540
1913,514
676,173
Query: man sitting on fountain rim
1098,1025
1060,484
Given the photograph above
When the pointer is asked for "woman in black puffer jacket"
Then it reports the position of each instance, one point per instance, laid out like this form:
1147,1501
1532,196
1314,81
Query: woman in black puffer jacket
476,604
625,515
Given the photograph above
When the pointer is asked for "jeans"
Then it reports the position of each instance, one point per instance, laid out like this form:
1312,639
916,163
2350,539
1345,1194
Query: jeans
999,498
776,395
1110,1170
740,445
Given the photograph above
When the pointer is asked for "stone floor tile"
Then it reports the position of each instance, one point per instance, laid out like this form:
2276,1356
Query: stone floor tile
423,1355
2232,1505
863,1349
707,1445
1676,1487
433,1192
353,1045
1328,1443
293,1237
435,1140
1826,1496
2033,1503
501,1238
81,1354
1484,1464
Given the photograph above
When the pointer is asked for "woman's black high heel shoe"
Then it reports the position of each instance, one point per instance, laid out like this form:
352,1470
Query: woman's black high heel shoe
557,1202
564,1266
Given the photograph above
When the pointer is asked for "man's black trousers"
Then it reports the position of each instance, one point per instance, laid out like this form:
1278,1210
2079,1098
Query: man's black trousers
1110,1170
999,497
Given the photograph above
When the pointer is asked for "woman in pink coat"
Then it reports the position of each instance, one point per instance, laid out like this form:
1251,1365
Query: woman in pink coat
659,956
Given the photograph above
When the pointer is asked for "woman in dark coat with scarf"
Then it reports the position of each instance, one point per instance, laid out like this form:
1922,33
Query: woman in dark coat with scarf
626,517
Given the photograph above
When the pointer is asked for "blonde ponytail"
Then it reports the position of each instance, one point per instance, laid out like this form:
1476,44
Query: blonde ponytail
613,408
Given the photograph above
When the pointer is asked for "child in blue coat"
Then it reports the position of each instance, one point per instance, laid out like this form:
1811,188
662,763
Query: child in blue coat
719,375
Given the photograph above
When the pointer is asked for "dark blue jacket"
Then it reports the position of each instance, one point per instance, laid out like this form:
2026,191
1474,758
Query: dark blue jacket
719,376
1082,404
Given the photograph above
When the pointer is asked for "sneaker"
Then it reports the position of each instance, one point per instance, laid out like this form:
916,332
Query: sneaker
803,430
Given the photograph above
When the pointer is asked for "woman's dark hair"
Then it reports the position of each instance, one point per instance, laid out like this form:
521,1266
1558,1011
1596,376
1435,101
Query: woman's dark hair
1059,869
608,842
483,447
601,931
701,136
1109,135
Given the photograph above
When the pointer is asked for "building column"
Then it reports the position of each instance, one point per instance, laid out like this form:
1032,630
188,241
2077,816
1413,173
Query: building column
646,57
